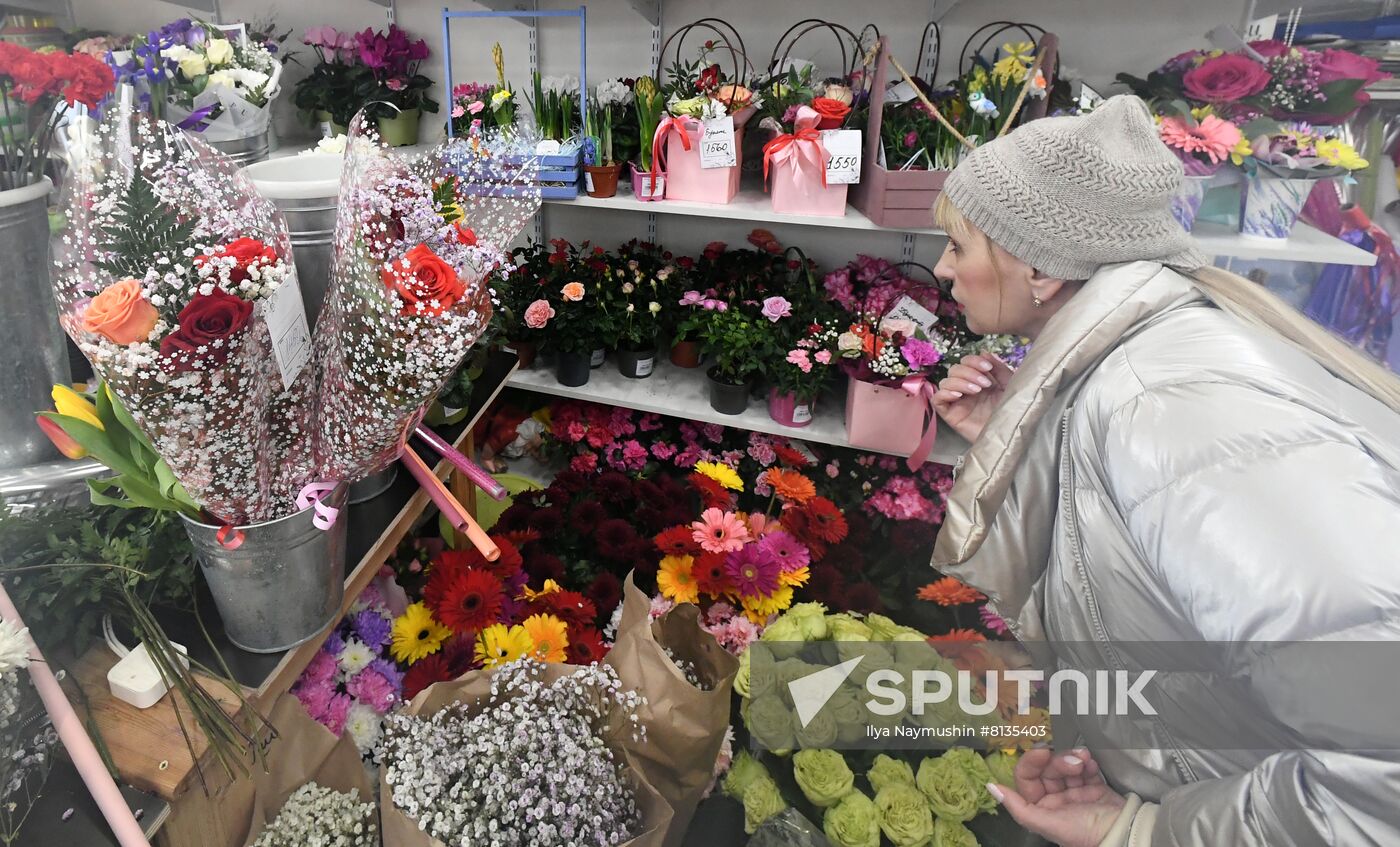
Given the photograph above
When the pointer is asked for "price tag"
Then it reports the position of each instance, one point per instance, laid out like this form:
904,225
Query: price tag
843,149
1089,99
286,323
1261,29
909,309
717,149
802,413
588,182
645,366
901,92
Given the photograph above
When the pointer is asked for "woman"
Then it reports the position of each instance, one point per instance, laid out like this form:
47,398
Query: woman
1181,458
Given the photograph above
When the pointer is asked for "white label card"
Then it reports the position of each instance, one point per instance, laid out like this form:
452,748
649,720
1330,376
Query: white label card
802,413
286,323
1261,29
588,182
909,309
900,92
1089,99
843,149
717,148
645,366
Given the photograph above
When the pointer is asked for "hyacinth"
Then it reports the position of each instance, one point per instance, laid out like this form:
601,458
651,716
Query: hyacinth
528,766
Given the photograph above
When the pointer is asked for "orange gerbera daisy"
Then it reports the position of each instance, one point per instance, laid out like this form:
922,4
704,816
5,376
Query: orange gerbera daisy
963,635
950,592
791,486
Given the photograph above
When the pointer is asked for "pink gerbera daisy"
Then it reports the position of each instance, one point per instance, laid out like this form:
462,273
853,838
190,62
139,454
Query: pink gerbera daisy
991,620
788,552
752,571
720,532
1212,136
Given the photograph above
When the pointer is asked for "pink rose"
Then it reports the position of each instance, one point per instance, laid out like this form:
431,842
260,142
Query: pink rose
1343,64
476,107
538,314
1226,79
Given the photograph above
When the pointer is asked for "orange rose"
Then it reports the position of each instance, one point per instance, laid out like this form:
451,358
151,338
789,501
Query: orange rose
734,97
573,292
121,314
833,112
426,284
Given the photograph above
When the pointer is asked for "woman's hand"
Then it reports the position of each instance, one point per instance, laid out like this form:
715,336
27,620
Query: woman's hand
1061,797
970,393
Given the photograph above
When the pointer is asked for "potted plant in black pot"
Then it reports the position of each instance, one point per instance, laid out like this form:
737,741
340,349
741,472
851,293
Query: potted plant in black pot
736,342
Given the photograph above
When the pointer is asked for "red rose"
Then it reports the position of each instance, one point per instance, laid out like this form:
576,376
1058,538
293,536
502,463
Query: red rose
833,112
207,325
246,253
1226,79
709,79
426,284
714,250
1342,64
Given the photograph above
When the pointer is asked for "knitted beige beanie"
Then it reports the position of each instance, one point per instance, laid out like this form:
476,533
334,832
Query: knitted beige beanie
1068,195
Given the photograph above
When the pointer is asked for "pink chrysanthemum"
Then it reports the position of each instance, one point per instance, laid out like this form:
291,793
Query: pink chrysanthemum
371,688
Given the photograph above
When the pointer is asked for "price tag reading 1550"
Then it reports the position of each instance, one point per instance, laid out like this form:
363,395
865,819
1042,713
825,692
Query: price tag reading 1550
717,148
843,148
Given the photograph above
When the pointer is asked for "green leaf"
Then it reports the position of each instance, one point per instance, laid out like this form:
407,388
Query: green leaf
137,493
143,228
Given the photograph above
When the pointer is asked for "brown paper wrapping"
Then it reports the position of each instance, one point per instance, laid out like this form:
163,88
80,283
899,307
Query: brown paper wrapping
399,830
303,751
685,725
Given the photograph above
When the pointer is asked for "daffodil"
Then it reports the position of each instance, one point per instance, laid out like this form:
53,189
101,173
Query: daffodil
417,634
721,473
500,97
1021,51
68,402
501,645
1009,70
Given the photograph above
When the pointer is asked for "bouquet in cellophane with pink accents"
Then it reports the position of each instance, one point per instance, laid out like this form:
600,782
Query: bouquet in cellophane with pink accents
175,279
416,240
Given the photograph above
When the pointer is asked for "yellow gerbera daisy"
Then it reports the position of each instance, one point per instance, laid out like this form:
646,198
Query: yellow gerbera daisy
676,580
760,609
721,473
417,634
549,587
548,636
794,578
499,645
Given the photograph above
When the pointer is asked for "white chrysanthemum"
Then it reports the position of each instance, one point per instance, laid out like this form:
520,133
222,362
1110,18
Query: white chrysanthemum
354,657
14,647
365,727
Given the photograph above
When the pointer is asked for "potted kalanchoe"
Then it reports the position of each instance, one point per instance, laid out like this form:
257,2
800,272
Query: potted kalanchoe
395,93
607,108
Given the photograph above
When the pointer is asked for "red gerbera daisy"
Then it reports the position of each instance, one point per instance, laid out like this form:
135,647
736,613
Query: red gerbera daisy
569,606
800,522
586,646
425,672
789,456
827,521
471,601
519,538
710,575
678,541
712,494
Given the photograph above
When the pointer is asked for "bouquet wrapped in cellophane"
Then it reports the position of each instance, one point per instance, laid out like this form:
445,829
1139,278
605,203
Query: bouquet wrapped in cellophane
174,277
415,242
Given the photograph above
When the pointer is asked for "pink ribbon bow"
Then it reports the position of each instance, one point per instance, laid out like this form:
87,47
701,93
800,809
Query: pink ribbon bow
680,126
917,386
313,496
803,145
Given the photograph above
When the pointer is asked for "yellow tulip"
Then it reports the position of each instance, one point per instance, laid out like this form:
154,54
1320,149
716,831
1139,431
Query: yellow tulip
69,402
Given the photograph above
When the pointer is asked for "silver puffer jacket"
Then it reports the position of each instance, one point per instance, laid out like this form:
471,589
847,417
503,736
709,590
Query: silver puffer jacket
1160,472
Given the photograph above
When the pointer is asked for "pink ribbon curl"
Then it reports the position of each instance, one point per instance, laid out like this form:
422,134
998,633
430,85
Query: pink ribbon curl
680,126
917,386
801,146
313,496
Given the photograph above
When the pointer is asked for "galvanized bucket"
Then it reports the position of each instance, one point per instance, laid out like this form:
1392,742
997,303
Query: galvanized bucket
283,584
244,151
306,188
373,485
31,341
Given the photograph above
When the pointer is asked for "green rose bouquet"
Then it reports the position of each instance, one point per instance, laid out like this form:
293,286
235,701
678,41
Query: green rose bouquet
823,776
762,800
852,822
950,793
887,771
904,814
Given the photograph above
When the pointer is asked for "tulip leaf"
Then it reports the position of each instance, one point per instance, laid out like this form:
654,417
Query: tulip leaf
95,441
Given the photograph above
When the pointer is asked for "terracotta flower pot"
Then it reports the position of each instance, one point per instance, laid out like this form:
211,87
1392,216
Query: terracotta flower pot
525,351
686,354
601,180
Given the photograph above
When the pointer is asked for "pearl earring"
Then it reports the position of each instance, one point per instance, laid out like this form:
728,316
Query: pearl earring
1037,302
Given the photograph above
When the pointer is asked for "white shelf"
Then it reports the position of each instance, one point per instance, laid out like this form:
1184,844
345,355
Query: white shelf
683,393
751,204
1306,244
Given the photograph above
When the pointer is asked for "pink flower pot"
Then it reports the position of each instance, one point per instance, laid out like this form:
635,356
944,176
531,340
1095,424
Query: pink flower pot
787,410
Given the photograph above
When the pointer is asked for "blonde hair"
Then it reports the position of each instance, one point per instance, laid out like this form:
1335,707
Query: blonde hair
1256,306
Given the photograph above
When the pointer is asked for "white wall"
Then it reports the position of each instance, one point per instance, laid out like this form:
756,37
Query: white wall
1098,39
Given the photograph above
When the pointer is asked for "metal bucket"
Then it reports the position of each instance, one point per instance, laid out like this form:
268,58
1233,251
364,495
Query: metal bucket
244,151
31,341
373,485
283,584
307,189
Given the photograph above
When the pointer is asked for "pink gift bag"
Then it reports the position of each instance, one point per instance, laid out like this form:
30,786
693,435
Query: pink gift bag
679,138
796,165
884,418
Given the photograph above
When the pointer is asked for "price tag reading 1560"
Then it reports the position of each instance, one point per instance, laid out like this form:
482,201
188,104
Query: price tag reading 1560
717,149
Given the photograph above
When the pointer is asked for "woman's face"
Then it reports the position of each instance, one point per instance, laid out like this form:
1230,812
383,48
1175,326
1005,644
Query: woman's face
993,286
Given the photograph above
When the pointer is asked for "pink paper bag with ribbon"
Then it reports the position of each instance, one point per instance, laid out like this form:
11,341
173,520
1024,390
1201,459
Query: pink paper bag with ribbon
795,163
892,418
677,144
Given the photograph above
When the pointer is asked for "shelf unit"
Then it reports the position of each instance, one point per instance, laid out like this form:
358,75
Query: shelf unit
682,393
147,747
